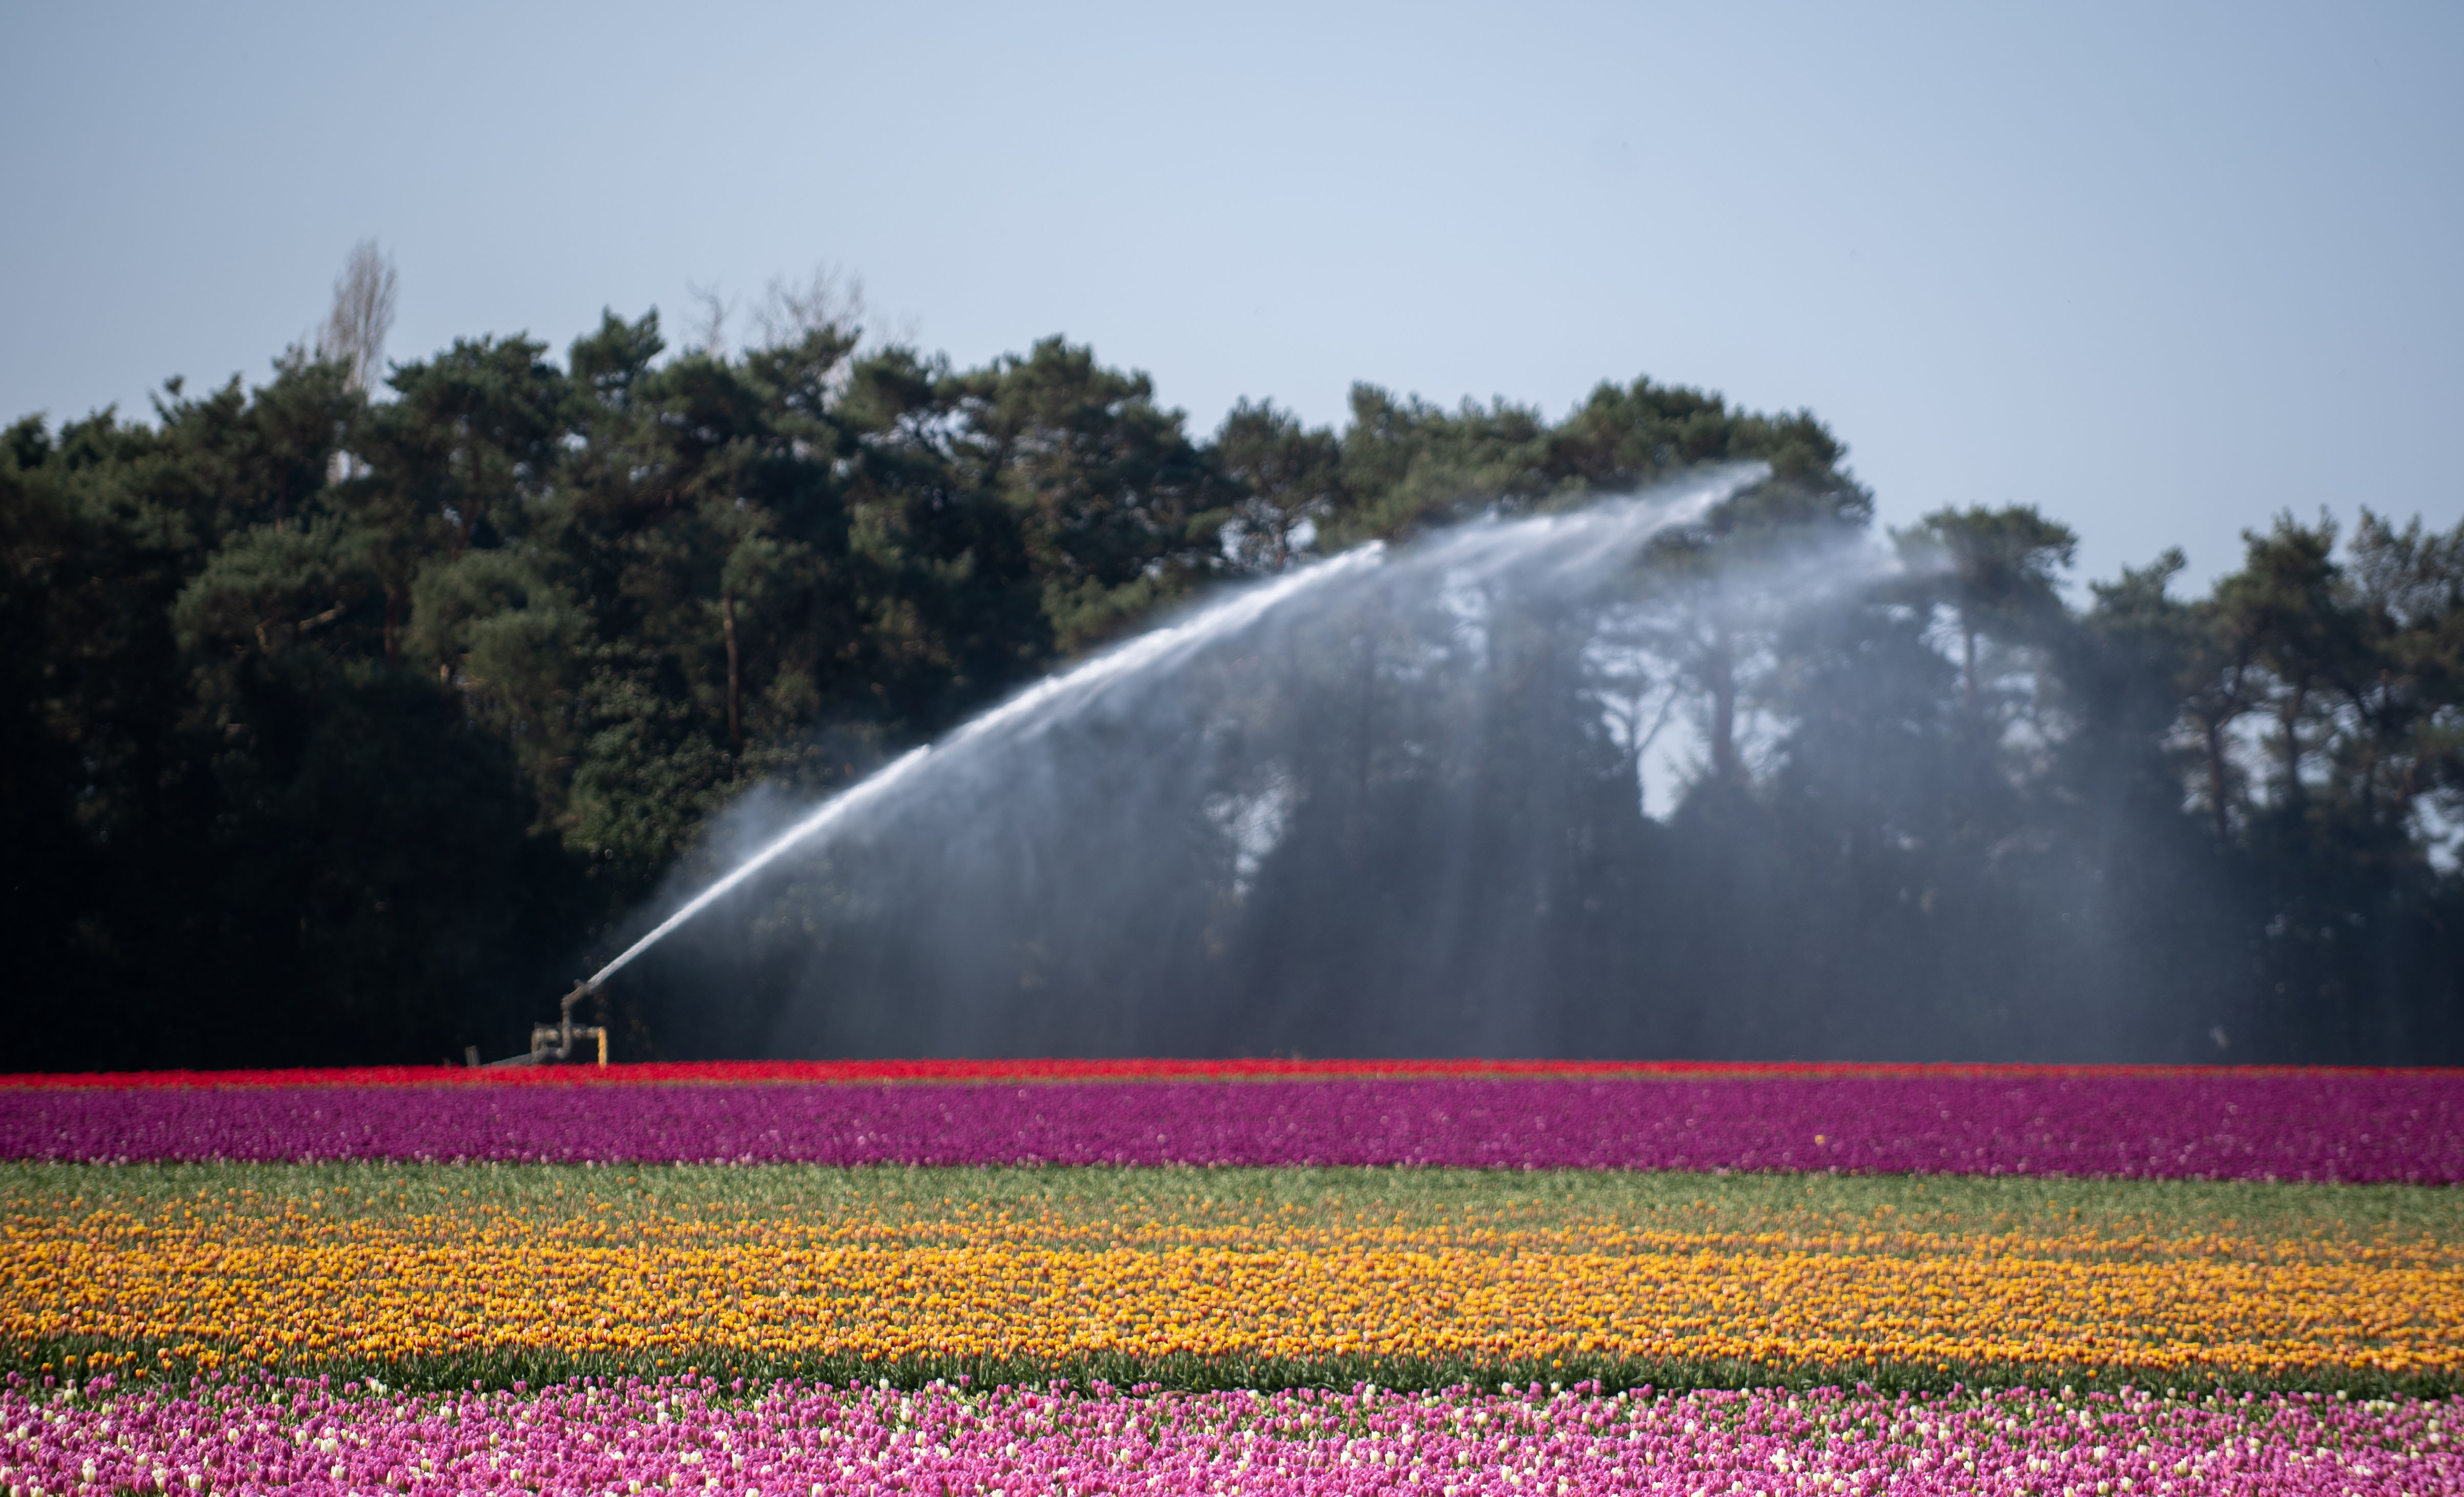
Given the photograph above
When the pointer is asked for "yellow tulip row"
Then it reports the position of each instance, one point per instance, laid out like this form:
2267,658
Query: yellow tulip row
580,1279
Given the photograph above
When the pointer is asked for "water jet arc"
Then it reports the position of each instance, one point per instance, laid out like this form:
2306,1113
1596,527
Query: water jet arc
1043,698
1570,540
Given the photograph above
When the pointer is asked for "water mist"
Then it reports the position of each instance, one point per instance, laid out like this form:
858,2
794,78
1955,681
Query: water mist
1096,865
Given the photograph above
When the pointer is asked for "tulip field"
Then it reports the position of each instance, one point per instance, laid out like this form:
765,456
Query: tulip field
1056,1277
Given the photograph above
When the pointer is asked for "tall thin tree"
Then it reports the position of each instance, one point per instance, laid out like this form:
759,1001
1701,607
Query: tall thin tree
354,334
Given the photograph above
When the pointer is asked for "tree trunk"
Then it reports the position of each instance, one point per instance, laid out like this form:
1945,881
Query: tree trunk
735,681
2375,757
1967,674
2216,736
1722,670
2291,719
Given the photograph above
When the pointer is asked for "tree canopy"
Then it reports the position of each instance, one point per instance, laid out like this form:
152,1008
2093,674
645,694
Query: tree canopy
343,723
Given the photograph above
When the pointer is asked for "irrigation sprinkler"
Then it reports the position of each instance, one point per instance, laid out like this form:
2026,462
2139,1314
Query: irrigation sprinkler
1576,544
553,1044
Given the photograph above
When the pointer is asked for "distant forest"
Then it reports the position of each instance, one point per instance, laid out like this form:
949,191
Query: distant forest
348,717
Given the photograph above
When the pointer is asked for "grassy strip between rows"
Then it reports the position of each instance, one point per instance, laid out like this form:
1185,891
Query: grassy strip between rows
140,1365
1122,1202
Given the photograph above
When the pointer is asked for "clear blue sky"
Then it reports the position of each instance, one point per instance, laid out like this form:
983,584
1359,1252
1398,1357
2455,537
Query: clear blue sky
2160,269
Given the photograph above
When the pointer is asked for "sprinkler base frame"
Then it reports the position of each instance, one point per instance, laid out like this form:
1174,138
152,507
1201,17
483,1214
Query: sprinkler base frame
553,1044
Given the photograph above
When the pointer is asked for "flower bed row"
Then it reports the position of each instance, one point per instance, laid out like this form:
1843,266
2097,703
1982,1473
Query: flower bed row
1177,1276
2351,1126
628,1435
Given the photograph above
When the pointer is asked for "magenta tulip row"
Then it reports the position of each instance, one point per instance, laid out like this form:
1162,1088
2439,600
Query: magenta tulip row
794,1440
2305,1127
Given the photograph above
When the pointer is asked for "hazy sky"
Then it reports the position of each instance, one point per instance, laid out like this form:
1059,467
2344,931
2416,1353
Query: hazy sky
2162,269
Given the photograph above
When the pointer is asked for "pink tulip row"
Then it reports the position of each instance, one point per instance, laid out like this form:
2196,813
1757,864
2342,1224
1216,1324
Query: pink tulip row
787,1440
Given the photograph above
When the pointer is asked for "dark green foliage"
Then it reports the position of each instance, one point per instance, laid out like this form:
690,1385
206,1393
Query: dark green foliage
512,1366
1109,496
340,731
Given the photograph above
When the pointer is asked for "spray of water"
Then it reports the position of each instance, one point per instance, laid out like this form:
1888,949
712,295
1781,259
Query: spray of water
1570,549
1052,697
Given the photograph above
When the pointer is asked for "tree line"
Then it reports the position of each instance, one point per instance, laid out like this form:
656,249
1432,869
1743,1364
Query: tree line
348,716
